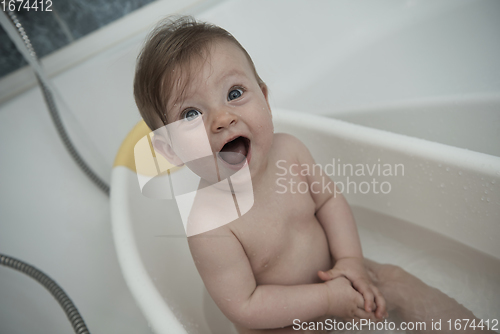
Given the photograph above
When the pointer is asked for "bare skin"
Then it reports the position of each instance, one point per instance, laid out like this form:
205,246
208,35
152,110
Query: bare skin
272,255
294,255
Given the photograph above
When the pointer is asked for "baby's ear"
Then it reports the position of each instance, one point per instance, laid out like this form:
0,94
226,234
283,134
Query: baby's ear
162,146
263,88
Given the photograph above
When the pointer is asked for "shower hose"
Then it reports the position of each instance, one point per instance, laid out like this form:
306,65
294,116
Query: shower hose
57,292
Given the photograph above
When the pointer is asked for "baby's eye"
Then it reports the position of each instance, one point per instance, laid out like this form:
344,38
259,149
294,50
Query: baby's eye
234,94
191,114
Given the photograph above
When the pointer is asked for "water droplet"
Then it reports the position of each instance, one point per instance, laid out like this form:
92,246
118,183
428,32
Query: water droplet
430,179
486,191
482,198
447,169
460,173
493,181
442,185
440,165
487,199
465,187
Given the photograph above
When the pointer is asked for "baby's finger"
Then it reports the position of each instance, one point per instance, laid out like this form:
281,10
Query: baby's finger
381,311
329,275
360,301
362,314
363,287
369,301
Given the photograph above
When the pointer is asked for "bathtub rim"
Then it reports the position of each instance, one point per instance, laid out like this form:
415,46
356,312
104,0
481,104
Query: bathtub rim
488,164
149,299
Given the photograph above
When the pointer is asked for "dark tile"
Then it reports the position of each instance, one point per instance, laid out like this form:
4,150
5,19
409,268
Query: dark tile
43,30
68,21
85,16
10,59
44,33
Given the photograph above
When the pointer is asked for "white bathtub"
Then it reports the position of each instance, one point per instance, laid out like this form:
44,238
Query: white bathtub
415,68
396,227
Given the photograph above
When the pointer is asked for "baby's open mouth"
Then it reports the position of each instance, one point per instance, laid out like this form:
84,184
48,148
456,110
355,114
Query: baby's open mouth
235,151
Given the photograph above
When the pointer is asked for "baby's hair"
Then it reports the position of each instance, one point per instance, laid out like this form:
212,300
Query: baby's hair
168,51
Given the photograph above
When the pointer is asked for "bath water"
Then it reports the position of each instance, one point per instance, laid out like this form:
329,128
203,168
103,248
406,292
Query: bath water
469,276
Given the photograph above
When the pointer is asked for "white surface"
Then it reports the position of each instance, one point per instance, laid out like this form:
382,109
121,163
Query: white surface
53,218
129,256
342,54
471,122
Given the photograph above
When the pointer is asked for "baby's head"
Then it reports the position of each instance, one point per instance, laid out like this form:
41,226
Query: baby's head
193,75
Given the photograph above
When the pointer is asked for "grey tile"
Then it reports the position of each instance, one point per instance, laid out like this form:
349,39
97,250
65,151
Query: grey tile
85,16
69,20
10,58
44,33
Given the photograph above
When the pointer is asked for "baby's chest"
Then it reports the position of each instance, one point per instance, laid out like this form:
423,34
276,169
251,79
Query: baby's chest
274,227
277,211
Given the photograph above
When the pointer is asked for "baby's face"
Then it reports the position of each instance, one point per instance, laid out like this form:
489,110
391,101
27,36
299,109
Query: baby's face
224,97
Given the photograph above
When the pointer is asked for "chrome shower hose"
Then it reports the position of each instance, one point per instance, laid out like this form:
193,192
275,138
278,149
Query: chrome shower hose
55,290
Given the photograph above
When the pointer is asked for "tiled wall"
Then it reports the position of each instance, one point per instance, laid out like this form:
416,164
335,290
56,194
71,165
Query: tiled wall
68,21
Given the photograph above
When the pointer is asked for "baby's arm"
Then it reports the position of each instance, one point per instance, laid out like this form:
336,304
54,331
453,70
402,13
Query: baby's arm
228,277
334,214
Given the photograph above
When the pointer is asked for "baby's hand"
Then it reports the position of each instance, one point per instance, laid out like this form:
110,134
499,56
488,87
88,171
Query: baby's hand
344,301
354,270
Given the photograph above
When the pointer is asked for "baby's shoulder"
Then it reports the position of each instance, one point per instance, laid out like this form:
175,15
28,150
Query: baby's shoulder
285,144
284,137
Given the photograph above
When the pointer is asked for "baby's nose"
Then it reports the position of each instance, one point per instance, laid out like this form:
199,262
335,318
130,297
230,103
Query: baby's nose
223,120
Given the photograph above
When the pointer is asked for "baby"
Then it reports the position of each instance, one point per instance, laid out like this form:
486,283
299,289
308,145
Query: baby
291,256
